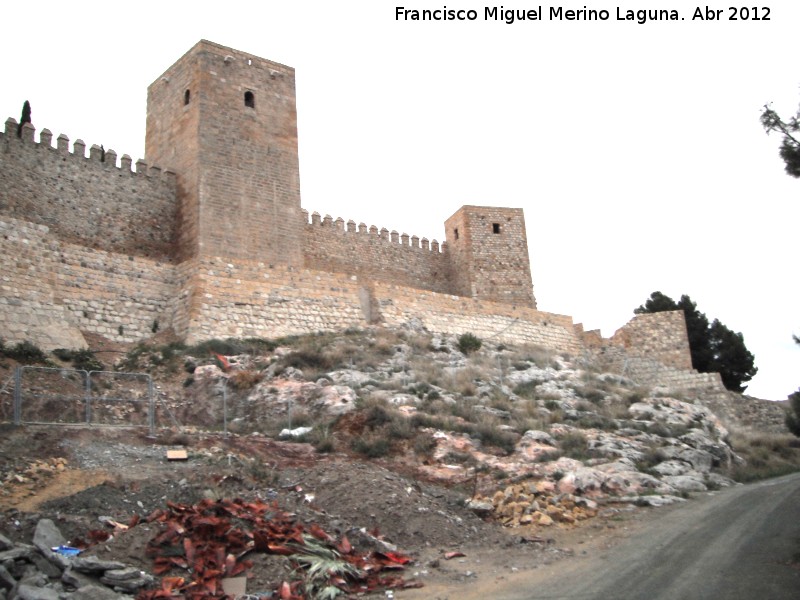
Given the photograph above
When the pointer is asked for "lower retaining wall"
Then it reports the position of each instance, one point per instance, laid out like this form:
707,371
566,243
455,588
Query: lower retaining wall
444,313
51,291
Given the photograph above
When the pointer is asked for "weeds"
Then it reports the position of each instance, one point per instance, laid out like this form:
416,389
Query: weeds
245,380
574,445
24,352
527,389
764,456
371,446
80,359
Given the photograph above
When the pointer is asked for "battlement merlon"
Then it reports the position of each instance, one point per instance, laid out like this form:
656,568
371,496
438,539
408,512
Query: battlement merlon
96,153
393,237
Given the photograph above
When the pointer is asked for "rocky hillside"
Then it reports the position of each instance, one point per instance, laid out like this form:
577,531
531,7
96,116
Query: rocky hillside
433,439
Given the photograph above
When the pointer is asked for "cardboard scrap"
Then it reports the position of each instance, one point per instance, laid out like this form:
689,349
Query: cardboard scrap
179,454
235,586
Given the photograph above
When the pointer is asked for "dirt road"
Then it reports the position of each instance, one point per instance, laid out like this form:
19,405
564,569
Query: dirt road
738,544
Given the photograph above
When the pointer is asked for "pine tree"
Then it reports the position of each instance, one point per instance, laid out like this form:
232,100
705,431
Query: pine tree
790,145
25,118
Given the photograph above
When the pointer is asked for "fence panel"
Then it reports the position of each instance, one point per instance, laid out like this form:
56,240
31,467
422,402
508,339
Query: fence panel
124,399
50,395
73,396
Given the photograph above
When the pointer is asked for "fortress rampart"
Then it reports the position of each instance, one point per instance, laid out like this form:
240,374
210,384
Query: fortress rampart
213,242
87,200
373,254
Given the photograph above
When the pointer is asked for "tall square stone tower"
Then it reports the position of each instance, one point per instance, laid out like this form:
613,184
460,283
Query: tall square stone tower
226,123
489,254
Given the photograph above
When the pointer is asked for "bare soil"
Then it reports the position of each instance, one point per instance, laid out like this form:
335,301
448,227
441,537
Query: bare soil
119,473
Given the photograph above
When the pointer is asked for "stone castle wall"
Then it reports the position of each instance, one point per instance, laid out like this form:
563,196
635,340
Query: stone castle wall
84,200
254,299
53,290
372,254
661,336
220,247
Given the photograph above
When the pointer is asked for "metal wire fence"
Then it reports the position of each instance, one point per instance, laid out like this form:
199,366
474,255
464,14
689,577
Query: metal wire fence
49,395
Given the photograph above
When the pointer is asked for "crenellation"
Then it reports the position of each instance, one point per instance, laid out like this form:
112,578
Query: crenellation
110,158
46,138
141,167
62,143
28,131
11,127
79,148
96,153
125,163
395,237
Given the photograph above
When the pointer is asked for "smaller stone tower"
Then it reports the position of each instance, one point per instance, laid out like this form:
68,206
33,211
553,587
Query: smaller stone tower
226,123
489,254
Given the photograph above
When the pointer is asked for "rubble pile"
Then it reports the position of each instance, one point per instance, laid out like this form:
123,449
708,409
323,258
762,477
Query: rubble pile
536,503
50,569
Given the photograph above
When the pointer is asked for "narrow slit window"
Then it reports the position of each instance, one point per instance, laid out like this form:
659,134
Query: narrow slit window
249,99
187,95
495,227
455,231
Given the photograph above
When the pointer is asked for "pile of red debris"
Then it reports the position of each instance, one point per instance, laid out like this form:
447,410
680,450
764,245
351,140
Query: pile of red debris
210,540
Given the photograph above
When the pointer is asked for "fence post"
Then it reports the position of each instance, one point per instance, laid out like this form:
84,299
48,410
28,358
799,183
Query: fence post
88,396
225,408
152,408
17,395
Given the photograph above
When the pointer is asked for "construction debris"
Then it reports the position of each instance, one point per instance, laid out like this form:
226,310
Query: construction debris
208,542
534,504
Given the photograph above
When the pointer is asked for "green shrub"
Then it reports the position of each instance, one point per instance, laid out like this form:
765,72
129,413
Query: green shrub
307,359
376,416
26,353
551,404
400,427
371,447
80,359
595,395
468,343
424,444
457,457
527,389
491,435
574,445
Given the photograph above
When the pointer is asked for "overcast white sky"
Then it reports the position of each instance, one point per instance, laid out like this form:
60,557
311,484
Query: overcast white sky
634,149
